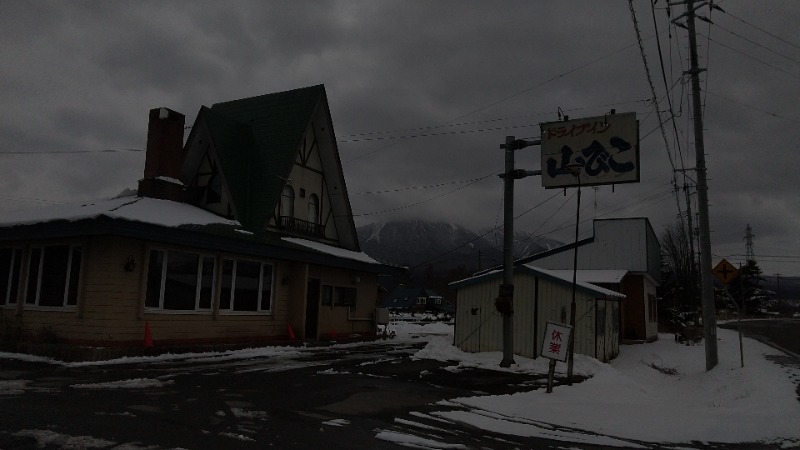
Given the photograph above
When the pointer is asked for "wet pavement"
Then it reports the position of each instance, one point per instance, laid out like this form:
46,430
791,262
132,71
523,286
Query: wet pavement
371,396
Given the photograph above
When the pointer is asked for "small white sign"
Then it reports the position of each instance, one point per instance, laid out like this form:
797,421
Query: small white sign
556,341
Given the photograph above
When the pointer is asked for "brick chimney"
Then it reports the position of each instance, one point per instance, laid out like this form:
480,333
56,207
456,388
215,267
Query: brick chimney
162,167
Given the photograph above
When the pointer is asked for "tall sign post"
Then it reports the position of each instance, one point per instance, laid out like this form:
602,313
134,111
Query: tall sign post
589,151
504,302
726,273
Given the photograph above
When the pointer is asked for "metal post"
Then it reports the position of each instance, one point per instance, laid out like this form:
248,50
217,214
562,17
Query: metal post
507,290
706,281
574,169
504,302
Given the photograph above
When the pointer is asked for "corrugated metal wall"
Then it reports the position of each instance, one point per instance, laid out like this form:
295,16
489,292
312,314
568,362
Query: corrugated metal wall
479,327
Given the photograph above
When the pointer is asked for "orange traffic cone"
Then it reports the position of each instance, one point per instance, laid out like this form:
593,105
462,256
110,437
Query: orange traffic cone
290,331
148,337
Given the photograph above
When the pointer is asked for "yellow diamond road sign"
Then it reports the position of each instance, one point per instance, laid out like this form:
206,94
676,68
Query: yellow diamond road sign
725,271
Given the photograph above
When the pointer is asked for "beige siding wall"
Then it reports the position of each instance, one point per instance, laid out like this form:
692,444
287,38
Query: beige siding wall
339,321
111,311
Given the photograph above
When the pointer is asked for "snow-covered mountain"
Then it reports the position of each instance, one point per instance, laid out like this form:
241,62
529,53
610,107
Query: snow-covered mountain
440,248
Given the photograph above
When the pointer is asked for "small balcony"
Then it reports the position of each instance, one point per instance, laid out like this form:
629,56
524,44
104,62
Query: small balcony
295,225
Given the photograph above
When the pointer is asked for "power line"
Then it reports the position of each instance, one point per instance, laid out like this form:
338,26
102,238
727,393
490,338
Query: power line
763,30
755,108
71,152
411,205
758,44
425,187
753,58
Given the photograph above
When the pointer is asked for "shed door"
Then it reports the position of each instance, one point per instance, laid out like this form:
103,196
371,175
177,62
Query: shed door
600,330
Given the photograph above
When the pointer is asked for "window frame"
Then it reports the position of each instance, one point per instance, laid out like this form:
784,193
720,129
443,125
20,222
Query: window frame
13,278
286,207
31,297
313,209
230,297
202,258
334,295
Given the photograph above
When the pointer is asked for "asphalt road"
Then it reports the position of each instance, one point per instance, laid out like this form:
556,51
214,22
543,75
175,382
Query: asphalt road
367,397
783,334
372,396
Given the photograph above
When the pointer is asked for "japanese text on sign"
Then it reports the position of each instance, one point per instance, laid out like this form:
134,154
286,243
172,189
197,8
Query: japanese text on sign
556,341
606,148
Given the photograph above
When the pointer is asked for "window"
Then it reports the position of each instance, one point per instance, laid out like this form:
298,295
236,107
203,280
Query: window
652,307
313,208
287,202
246,286
338,296
10,263
53,274
420,300
179,281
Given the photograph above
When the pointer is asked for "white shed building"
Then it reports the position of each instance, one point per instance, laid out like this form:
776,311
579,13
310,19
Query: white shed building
622,255
540,296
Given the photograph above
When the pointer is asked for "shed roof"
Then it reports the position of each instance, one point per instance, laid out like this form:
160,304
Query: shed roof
594,276
556,276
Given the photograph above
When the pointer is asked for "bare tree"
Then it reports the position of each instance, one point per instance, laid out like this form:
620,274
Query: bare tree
680,284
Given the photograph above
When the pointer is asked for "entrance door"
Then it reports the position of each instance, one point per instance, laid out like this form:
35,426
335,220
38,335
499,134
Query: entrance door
312,308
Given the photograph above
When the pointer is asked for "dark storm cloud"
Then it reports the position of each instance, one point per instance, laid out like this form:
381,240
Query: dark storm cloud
421,93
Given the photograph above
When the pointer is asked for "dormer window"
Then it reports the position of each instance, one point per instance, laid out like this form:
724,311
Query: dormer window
287,202
313,208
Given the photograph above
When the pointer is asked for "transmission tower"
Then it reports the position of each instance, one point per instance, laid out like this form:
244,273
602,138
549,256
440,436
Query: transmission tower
748,239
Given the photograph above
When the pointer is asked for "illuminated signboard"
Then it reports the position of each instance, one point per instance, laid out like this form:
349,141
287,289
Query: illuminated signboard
606,147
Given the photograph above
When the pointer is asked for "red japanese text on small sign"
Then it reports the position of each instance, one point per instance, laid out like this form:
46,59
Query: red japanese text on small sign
556,341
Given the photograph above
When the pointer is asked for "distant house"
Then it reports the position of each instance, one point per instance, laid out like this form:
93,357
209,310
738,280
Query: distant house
242,235
622,255
416,300
540,296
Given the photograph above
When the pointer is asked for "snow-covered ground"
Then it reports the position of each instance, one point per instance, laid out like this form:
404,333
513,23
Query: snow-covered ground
657,392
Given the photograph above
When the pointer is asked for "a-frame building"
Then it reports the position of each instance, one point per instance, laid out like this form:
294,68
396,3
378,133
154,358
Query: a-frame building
244,234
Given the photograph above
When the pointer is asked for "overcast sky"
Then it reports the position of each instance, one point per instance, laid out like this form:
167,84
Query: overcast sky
422,94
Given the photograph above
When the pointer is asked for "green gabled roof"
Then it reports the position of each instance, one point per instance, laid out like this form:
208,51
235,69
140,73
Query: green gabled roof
257,162
236,145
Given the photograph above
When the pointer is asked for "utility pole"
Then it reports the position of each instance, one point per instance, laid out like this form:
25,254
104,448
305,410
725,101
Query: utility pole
504,302
706,281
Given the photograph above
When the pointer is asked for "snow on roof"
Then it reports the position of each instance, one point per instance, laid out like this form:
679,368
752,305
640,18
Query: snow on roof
334,251
139,209
594,276
564,276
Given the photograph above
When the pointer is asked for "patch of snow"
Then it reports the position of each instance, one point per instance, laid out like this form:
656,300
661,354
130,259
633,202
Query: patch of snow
241,413
237,436
13,387
630,398
334,251
138,209
46,438
336,422
134,383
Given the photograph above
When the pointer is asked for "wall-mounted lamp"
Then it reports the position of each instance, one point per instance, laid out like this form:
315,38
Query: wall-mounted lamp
130,264
356,279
